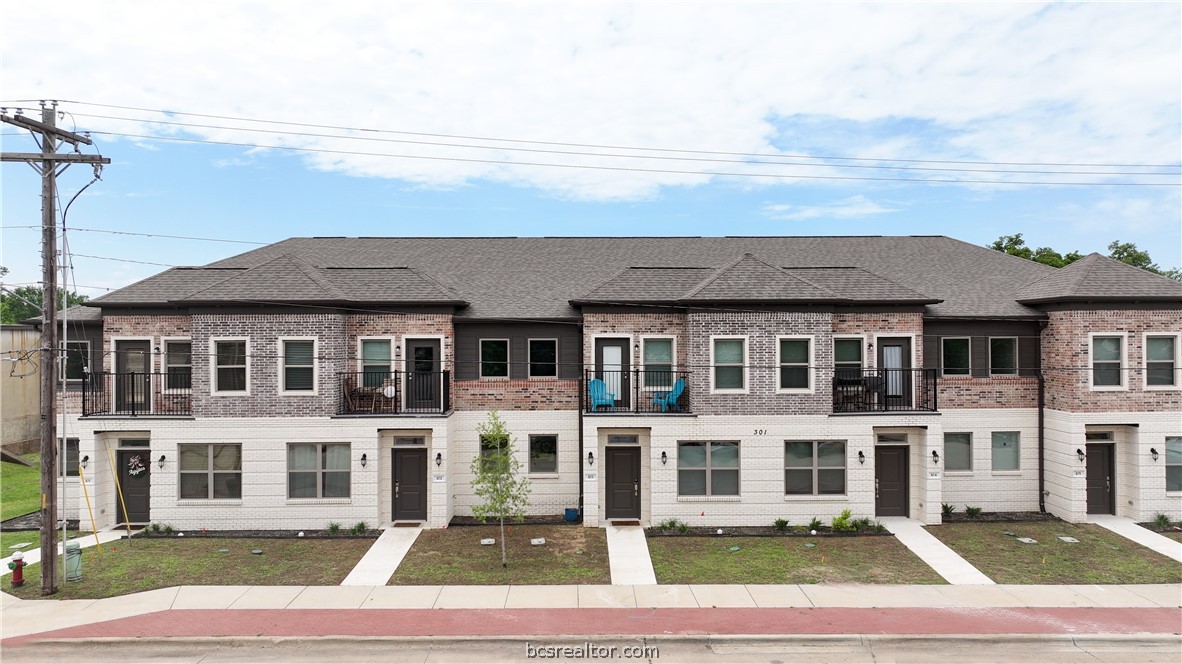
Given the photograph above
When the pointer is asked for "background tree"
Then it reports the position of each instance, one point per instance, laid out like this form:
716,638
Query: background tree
498,481
1125,252
23,303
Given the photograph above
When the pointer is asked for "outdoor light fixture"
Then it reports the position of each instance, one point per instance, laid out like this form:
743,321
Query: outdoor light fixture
665,458
1153,453
439,458
869,347
86,460
1079,453
364,459
861,457
590,458
160,461
397,349
935,456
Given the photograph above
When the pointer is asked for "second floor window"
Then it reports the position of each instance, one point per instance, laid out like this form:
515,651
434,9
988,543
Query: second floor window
299,369
730,372
657,358
954,356
1160,361
543,358
1107,352
77,358
375,362
794,364
1003,356
847,358
494,358
230,357
178,365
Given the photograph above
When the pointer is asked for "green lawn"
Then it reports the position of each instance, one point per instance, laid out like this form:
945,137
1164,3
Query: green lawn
20,487
454,556
128,566
787,560
11,537
1100,556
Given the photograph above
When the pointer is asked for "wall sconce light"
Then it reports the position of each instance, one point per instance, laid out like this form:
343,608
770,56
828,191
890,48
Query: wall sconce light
157,350
1153,453
935,456
364,459
1079,453
397,349
438,459
86,461
590,458
665,458
861,457
869,347
160,461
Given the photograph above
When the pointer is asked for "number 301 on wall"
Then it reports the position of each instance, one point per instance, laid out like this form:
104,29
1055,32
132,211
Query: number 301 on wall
761,432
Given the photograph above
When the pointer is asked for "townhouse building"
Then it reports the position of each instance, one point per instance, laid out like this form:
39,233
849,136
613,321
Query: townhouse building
721,381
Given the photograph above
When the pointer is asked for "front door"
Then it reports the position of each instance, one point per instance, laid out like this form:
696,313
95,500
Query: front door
410,484
133,367
612,366
622,466
894,361
1101,498
890,481
423,375
135,467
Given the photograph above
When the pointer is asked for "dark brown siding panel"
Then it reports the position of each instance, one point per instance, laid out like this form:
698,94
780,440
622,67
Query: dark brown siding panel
980,331
468,336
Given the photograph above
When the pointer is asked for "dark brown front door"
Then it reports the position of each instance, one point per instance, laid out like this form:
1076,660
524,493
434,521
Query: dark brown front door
613,366
423,374
622,466
133,368
135,468
410,484
890,481
1100,477
894,363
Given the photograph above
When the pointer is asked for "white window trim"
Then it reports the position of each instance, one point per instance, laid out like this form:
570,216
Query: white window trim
282,374
65,354
164,341
811,367
213,368
860,338
1145,363
480,359
746,357
989,341
529,359
969,370
672,360
1124,363
393,341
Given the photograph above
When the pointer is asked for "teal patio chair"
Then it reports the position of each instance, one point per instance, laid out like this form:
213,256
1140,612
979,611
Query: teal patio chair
669,400
597,390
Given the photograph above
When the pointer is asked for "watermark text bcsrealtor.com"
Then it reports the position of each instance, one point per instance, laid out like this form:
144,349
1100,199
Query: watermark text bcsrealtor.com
588,650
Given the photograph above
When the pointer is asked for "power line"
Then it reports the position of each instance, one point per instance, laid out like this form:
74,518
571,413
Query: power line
171,237
124,260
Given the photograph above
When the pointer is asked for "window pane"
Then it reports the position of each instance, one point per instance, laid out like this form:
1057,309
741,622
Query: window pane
1005,450
658,351
1106,349
728,351
847,350
691,482
798,481
231,353
795,351
830,481
1159,349
724,455
958,451
1106,374
794,378
956,356
543,357
77,354
336,457
301,485
1174,450
691,455
227,486
728,378
831,453
1160,373
375,352
194,486
798,455
1173,478
301,457
71,457
227,457
494,350
179,352
543,454
232,380
194,457
336,485
724,483
297,352
298,379
1003,356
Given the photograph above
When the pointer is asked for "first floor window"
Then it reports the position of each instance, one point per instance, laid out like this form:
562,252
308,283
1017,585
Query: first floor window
210,471
657,357
543,358
543,454
489,446
375,362
299,369
178,365
230,357
318,470
1106,361
1160,361
814,467
847,358
794,364
729,364
1174,463
71,456
1005,450
955,356
1003,356
494,358
76,360
708,468
958,451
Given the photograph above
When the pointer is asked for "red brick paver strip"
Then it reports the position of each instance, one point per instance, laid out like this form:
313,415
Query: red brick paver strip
587,622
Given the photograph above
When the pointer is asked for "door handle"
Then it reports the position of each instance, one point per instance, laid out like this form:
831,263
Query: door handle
395,489
876,487
636,488
1107,483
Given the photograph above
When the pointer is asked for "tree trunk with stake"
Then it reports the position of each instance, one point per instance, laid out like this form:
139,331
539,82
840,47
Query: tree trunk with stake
497,479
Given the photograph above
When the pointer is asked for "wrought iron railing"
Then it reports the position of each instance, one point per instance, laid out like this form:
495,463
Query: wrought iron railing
134,394
377,392
883,390
656,391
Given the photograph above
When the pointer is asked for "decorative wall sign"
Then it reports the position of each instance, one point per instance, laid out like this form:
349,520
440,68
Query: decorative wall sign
135,465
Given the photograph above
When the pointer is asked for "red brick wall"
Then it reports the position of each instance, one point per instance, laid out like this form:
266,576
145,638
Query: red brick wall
994,392
155,327
635,325
883,324
400,326
535,394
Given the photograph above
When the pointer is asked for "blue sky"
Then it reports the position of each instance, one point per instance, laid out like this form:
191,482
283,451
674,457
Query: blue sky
1024,83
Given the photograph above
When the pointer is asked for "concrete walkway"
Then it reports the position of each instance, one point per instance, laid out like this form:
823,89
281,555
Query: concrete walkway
627,551
379,563
945,561
86,541
1127,528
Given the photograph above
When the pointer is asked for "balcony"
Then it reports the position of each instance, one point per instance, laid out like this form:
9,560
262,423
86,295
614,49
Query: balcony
641,391
137,394
884,390
394,393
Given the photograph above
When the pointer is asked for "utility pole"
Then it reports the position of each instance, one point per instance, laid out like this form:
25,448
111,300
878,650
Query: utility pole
47,164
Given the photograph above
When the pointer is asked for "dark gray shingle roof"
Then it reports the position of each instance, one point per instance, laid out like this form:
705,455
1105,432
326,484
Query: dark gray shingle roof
752,280
1098,278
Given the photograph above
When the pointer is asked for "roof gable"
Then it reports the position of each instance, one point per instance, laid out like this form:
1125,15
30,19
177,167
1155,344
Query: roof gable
751,280
1099,278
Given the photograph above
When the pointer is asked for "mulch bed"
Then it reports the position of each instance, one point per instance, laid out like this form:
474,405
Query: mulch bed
758,531
998,517
538,520
259,534
1154,527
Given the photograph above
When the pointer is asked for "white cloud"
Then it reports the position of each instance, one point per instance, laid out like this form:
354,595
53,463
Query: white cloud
1085,82
853,207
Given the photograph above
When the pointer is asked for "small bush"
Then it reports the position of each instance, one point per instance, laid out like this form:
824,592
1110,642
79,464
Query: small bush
1161,520
155,528
167,529
947,509
815,524
334,528
673,525
359,528
863,525
843,523
972,511
781,525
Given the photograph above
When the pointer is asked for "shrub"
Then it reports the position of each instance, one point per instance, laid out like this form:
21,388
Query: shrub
781,525
155,528
815,524
1161,521
167,529
673,525
947,509
972,511
843,523
863,525
334,528
359,528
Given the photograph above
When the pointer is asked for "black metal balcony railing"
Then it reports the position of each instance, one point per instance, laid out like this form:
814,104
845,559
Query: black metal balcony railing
883,390
653,391
394,392
134,394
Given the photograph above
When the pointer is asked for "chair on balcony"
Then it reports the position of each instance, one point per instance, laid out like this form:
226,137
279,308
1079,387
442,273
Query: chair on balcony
597,390
667,400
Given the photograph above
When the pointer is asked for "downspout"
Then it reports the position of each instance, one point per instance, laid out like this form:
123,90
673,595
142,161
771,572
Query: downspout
1042,401
582,387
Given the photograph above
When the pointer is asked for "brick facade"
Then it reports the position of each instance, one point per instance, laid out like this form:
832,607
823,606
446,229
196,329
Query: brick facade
883,324
534,394
993,392
398,326
635,325
142,327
